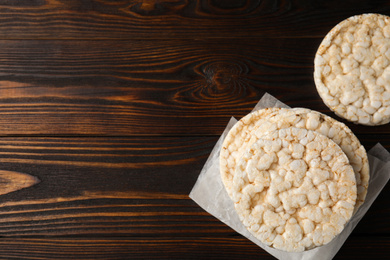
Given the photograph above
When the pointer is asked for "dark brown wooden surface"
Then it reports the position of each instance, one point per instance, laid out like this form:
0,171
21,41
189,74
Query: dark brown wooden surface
115,106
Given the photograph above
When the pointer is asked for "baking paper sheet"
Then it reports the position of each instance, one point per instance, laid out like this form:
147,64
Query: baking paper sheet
209,193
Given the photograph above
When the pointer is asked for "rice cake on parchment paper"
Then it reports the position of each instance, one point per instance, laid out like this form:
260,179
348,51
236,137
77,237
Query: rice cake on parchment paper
253,126
210,194
294,189
352,69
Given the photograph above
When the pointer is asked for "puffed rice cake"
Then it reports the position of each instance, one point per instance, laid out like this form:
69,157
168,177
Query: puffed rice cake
238,139
254,125
294,189
352,69
331,128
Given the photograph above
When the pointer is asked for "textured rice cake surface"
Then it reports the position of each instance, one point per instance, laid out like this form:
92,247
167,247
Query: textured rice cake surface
239,138
294,190
331,128
352,69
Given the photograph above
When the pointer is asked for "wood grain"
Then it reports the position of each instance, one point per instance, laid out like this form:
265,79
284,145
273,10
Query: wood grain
174,19
98,186
121,88
164,248
119,186
11,181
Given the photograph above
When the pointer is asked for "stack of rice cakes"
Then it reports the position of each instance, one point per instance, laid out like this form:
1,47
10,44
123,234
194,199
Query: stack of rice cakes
296,176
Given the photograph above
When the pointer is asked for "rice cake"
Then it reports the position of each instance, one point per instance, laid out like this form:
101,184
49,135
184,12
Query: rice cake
238,139
352,69
253,126
331,128
294,190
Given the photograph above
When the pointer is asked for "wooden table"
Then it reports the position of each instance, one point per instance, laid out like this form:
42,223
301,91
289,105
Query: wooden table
114,106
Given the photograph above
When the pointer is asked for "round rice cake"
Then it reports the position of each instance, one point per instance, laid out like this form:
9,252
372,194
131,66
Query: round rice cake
294,190
331,128
352,69
238,139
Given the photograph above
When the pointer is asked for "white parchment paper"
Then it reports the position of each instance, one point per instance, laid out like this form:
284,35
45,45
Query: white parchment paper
209,193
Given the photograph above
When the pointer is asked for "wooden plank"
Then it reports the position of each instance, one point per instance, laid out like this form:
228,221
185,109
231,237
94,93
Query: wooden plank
131,248
122,87
105,186
133,186
168,248
119,164
170,87
152,19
